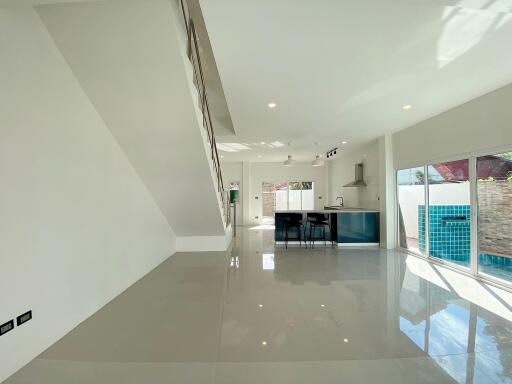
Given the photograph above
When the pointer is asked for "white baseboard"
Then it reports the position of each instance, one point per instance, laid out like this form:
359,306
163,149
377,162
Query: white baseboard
358,245
204,243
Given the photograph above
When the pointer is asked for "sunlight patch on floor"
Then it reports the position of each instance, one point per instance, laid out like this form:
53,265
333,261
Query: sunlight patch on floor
263,227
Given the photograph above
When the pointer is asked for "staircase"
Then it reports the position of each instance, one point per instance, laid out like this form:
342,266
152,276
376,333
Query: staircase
193,53
140,68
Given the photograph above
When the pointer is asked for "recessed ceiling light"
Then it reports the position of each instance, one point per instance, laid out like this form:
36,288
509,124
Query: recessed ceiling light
259,156
407,107
272,105
263,343
260,305
262,143
322,305
345,340
344,142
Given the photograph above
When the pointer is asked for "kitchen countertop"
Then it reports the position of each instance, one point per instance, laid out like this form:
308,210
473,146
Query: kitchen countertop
330,210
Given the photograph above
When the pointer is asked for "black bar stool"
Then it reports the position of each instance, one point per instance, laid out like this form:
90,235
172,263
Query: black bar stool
318,220
293,220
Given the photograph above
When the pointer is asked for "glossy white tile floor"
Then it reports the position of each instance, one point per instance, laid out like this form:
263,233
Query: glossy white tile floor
261,314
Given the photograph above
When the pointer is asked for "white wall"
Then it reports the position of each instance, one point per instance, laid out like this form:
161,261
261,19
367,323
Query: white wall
77,225
341,171
449,194
484,123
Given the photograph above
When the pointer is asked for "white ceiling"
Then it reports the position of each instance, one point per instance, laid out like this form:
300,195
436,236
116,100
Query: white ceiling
24,3
343,70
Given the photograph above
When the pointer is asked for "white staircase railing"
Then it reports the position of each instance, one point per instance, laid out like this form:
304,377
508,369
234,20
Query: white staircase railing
199,82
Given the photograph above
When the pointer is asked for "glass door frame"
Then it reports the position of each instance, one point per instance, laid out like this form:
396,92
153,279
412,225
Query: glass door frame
472,271
397,213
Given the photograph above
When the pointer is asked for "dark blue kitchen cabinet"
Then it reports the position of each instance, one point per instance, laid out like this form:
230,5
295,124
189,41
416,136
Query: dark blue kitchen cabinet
358,227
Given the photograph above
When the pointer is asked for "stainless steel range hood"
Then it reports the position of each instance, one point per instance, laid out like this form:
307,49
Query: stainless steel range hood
359,181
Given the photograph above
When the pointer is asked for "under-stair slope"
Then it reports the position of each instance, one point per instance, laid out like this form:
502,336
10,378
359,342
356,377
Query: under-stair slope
130,58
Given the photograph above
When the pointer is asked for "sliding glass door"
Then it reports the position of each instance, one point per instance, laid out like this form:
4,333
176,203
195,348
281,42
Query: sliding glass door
494,191
449,210
307,194
286,196
438,206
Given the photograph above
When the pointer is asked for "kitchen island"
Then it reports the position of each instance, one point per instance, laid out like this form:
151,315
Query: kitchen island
347,226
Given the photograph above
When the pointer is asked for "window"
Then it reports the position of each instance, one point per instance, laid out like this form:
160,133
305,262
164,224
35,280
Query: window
294,195
301,195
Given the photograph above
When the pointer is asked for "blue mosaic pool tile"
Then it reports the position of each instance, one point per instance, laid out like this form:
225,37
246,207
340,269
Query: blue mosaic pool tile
450,239
450,232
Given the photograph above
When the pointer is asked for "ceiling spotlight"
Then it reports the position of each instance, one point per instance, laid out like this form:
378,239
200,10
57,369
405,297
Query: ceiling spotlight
289,162
343,142
263,343
260,305
318,162
331,152
272,105
345,340
407,107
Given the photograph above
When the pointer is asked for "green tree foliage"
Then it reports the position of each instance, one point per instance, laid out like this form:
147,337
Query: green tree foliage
506,155
301,185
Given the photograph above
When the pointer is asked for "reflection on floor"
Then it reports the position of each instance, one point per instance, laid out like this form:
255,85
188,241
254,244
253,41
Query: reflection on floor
263,314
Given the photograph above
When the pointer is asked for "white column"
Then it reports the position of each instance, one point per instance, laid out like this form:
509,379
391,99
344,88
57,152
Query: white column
387,192
246,193
327,194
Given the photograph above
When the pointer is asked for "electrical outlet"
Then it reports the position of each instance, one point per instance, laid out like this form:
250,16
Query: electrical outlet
6,327
22,319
